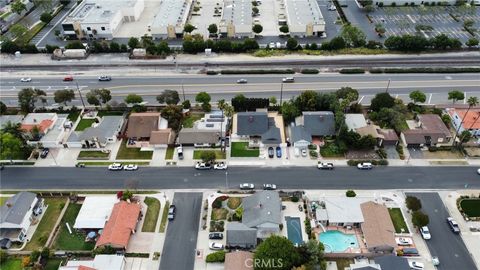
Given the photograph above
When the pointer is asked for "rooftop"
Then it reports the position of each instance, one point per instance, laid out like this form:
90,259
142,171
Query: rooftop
236,260
172,12
344,209
16,207
252,123
377,227
95,212
107,128
470,119
140,125
198,136
98,11
355,120
303,12
261,207
237,12
100,262
57,129
320,123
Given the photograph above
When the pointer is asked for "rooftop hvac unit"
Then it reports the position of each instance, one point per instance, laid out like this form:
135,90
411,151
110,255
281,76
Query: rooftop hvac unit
98,6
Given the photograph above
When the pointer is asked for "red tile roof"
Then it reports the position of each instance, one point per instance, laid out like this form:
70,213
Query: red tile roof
44,125
470,120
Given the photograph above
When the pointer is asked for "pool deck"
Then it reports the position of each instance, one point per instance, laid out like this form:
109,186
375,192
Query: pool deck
291,210
356,231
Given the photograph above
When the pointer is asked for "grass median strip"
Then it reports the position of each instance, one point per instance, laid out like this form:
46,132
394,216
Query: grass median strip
151,216
163,224
169,153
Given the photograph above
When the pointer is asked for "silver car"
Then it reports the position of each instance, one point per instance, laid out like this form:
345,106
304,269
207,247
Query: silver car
247,186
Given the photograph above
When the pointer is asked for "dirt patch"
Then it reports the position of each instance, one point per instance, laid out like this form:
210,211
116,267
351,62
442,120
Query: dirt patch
472,151
442,155
362,154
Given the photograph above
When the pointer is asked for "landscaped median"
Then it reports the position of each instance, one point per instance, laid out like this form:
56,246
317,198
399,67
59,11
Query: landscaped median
240,149
163,223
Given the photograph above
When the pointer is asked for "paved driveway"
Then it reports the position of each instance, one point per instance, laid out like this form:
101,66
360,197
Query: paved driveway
181,239
449,247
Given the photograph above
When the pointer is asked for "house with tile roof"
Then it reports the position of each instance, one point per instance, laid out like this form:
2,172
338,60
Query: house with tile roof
463,119
100,262
148,130
51,128
425,131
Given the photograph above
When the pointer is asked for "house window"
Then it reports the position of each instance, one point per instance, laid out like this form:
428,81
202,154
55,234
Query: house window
89,29
103,28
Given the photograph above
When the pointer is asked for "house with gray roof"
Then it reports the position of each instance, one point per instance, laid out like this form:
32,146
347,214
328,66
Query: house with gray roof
318,124
300,137
262,211
17,214
240,235
98,135
392,262
258,127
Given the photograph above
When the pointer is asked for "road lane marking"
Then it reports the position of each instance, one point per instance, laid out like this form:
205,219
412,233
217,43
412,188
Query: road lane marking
430,98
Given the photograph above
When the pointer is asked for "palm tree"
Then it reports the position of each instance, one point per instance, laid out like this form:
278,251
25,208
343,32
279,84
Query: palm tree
472,101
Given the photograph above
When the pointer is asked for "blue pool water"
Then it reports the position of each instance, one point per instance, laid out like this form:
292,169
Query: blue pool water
336,241
294,230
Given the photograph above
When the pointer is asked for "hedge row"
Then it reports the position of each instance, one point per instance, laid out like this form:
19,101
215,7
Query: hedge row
218,256
427,70
257,71
310,71
355,162
352,71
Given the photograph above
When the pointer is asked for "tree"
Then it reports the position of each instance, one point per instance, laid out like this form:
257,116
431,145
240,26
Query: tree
212,28
202,97
63,96
314,251
188,28
9,46
273,100
257,28
350,193
337,43
18,6
114,47
239,103
44,4
420,219
11,147
133,99
468,23
455,95
380,29
472,42
347,93
280,251
174,116
169,97
3,108
46,17
133,43
255,10
368,8
472,102
75,45
465,136
382,100
17,30
208,156
27,98
289,111
186,104
284,29
413,203
292,44
92,99
353,36
99,96
418,96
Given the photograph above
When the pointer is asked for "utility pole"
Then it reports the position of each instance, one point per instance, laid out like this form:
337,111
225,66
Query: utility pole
80,93
221,133
183,92
281,94
388,86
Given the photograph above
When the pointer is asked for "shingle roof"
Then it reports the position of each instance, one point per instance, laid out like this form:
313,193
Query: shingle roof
391,262
238,260
16,207
140,125
252,123
377,227
164,136
192,136
238,234
318,123
388,134
272,136
433,123
431,126
261,207
107,128
298,133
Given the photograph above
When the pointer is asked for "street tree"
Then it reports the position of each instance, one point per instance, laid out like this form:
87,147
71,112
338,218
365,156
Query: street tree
465,136
292,44
186,104
92,99
420,219
133,43
99,96
208,156
239,103
257,28
347,93
18,6
202,97
472,42
418,96
353,36
456,95
63,96
273,100
212,28
188,28
413,203
382,100
133,99
174,116
278,249
3,108
11,147
284,29
169,97
46,17
27,98
17,30
337,43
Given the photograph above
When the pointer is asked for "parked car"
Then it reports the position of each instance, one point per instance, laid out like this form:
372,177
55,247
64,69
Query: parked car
365,166
215,246
68,78
271,153
478,171
269,186
171,212
26,79
215,236
435,261
288,80
304,152
242,81
115,167
278,150
104,78
44,152
180,152
247,186
416,265
453,225
407,252
130,167
220,166
425,232
203,166
332,8
325,166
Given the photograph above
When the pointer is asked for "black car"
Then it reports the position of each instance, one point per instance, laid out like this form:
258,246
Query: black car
271,153
171,212
215,236
44,153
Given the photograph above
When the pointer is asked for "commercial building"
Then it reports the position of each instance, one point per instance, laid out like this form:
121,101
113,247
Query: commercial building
304,18
101,19
409,2
236,18
171,19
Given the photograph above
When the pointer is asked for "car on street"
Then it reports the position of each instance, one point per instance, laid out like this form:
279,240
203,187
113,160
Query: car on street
365,166
271,152
269,186
325,165
425,232
453,225
304,152
104,78
215,246
171,212
44,152
278,150
332,8
68,78
247,186
435,261
180,152
215,236
478,171
130,167
288,80
242,81
26,79
203,166
416,265
220,166
115,167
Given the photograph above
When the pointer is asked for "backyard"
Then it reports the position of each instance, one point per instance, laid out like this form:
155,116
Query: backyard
84,124
132,153
471,207
151,217
76,240
197,154
93,154
53,264
398,220
189,120
11,263
55,206
240,149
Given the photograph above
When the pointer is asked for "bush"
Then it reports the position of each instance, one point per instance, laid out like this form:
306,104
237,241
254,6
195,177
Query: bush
355,162
352,71
295,199
310,71
218,256
257,71
413,203
313,153
350,193
212,72
217,203
420,219
382,153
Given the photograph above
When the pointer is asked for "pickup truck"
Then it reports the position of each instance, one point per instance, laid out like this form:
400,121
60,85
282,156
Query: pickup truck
325,166
453,225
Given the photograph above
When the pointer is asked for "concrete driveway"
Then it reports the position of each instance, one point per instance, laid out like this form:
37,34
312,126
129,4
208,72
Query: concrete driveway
447,246
181,239
415,152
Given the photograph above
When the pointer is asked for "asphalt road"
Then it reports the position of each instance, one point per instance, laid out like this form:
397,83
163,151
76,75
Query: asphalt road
60,178
447,246
181,238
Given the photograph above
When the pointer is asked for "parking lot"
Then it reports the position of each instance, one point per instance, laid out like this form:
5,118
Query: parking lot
447,246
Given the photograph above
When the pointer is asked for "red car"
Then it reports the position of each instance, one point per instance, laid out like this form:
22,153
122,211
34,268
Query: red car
68,79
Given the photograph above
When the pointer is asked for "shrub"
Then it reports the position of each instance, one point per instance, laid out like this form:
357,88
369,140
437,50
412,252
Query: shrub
313,153
212,72
413,203
382,153
218,256
217,203
352,71
420,219
309,71
350,193
295,199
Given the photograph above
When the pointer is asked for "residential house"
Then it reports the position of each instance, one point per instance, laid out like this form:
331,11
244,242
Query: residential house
341,211
99,135
260,128
240,235
391,262
205,132
377,228
51,128
357,122
95,212
312,125
13,119
148,129
389,137
238,260
262,211
300,137
427,130
17,214
120,226
463,120
363,264
100,262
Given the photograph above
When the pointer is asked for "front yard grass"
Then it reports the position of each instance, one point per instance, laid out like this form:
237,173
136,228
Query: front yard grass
330,149
93,154
40,237
471,207
151,216
132,153
76,240
240,149
169,153
32,32
447,154
84,124
189,120
72,116
11,263
219,214
197,154
163,223
234,202
398,220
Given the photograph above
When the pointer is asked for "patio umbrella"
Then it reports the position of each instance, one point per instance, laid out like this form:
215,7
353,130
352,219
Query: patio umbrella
91,235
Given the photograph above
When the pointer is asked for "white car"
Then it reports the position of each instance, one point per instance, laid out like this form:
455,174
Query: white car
478,171
365,166
304,152
220,166
203,166
26,79
215,246
425,232
247,186
332,8
269,186
325,165
242,81
115,167
130,167
416,265
288,80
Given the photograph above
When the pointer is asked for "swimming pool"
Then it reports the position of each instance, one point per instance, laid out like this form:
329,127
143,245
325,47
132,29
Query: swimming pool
336,241
294,230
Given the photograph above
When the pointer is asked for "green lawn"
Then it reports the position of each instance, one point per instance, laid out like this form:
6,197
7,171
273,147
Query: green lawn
471,207
73,116
330,149
132,153
219,214
151,217
169,153
189,120
84,124
76,240
110,113
218,154
234,202
398,220
163,223
12,264
45,227
93,154
25,38
240,149
53,264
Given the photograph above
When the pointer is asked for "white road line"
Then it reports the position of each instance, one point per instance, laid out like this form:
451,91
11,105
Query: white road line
360,100
430,98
